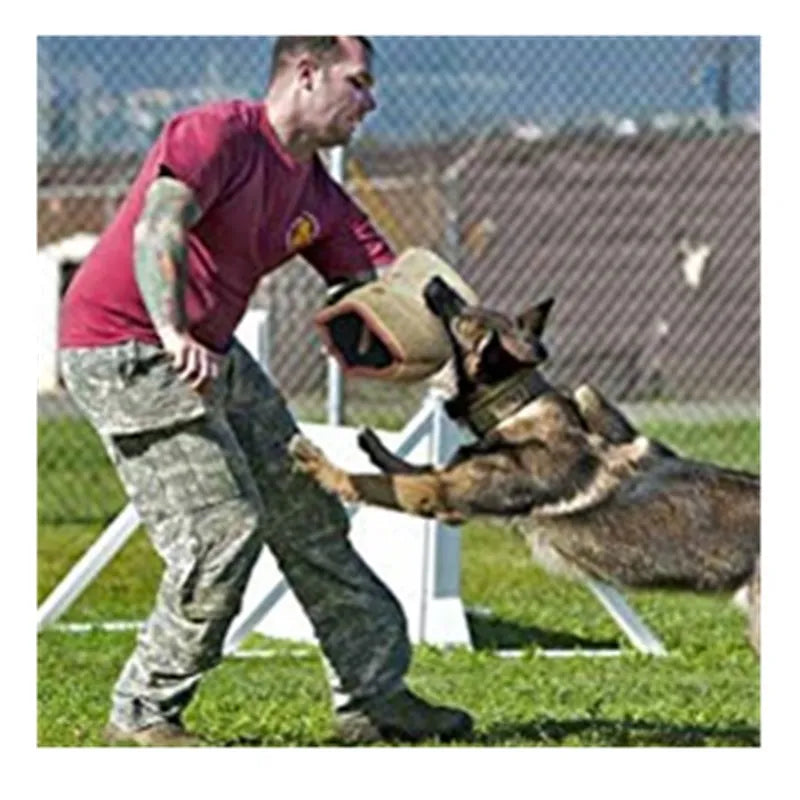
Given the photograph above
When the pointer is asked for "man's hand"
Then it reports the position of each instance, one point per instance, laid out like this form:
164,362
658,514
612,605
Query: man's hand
195,363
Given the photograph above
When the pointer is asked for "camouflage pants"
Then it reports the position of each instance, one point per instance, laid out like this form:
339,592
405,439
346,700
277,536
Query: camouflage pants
210,478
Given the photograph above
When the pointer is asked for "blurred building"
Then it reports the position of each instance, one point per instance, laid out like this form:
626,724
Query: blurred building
601,222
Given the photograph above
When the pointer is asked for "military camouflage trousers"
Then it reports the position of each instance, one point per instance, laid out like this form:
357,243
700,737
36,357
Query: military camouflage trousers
211,479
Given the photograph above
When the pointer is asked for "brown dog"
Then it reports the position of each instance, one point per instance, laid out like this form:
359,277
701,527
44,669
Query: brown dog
590,494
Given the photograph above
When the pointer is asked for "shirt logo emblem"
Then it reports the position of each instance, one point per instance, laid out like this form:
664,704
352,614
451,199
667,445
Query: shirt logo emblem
302,231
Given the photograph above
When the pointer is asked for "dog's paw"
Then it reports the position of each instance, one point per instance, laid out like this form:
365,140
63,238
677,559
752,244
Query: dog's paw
309,459
369,442
306,455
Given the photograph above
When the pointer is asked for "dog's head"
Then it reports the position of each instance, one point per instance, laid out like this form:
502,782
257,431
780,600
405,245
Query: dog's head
488,347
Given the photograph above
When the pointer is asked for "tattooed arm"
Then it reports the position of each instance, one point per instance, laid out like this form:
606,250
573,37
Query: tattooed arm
160,264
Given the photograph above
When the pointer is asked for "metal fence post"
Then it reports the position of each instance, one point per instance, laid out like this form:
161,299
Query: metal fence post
335,380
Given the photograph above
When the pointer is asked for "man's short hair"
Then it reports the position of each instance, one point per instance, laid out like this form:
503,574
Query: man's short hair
326,48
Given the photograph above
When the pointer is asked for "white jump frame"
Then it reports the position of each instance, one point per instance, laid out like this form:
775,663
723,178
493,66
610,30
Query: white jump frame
418,559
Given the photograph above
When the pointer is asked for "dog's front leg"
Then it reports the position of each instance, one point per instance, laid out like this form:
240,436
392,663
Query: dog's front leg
420,494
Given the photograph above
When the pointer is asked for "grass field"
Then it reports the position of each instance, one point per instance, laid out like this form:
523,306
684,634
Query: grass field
706,692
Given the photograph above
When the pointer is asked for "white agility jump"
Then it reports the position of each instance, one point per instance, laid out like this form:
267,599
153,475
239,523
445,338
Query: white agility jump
418,559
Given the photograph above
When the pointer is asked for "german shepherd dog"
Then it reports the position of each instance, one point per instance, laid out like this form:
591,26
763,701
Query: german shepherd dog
590,494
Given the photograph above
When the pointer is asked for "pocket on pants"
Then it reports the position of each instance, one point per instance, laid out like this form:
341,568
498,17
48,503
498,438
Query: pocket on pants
130,387
192,489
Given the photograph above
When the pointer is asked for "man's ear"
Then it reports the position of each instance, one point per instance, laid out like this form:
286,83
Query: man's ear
305,69
534,318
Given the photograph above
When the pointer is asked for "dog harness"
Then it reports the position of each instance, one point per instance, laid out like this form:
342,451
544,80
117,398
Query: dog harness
491,405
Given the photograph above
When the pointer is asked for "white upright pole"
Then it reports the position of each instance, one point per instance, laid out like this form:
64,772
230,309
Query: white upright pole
443,615
335,404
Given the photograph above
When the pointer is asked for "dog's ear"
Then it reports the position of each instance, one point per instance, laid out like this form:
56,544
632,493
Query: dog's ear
534,318
495,353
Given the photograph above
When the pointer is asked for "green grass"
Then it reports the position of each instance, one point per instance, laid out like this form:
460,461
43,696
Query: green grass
734,443
75,479
705,692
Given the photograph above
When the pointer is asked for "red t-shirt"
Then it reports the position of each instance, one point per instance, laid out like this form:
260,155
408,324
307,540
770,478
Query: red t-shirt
260,208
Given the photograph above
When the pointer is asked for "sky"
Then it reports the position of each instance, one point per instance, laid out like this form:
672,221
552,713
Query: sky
427,85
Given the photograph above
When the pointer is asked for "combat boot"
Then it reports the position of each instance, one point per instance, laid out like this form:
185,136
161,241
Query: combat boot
161,734
400,717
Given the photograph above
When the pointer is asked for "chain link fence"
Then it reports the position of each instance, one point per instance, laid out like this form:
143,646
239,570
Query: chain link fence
619,175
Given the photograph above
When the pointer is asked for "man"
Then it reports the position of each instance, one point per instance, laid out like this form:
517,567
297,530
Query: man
198,434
